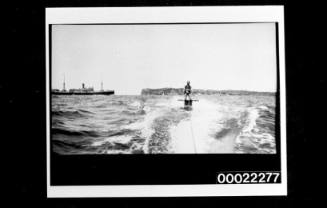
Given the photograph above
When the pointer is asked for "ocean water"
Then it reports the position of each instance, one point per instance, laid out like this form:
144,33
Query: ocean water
100,124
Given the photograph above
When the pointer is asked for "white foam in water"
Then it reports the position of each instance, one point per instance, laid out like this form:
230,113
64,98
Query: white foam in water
252,117
182,141
123,139
195,135
175,102
204,123
136,104
263,107
145,126
249,136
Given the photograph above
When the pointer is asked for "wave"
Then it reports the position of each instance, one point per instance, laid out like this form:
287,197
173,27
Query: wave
57,122
74,113
124,142
267,121
248,119
67,143
230,126
160,125
117,102
92,133
258,134
74,133
69,147
133,112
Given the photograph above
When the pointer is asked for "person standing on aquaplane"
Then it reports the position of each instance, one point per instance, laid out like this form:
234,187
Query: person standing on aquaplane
187,90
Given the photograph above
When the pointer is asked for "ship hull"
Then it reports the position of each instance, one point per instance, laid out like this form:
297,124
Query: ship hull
84,93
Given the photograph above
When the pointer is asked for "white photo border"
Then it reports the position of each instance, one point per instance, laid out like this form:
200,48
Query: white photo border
203,14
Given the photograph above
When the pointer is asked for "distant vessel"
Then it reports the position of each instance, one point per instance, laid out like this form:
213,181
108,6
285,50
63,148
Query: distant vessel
82,91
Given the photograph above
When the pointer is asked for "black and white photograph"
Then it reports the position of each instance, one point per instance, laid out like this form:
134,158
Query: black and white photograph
167,88
160,85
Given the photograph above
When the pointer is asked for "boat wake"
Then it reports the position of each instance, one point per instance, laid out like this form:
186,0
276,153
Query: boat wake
209,129
160,125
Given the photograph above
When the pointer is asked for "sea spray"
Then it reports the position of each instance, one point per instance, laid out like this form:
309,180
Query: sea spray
192,135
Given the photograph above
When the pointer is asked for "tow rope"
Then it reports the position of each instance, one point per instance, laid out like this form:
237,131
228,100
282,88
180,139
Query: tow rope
194,146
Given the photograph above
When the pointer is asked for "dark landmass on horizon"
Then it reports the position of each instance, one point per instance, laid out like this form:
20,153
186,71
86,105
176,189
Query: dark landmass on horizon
180,91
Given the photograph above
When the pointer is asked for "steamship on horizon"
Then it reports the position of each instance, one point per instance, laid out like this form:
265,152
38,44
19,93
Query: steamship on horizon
82,91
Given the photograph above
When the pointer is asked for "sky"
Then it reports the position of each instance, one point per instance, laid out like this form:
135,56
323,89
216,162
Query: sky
128,58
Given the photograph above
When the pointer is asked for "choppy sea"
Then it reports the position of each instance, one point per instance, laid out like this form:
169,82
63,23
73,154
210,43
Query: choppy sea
100,124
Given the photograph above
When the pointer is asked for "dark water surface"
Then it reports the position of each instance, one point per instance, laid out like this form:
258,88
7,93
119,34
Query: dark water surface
100,124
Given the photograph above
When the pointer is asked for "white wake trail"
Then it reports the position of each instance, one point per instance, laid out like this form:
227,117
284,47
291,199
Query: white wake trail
193,134
210,128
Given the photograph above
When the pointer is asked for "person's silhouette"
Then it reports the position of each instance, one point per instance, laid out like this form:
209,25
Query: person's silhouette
187,90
